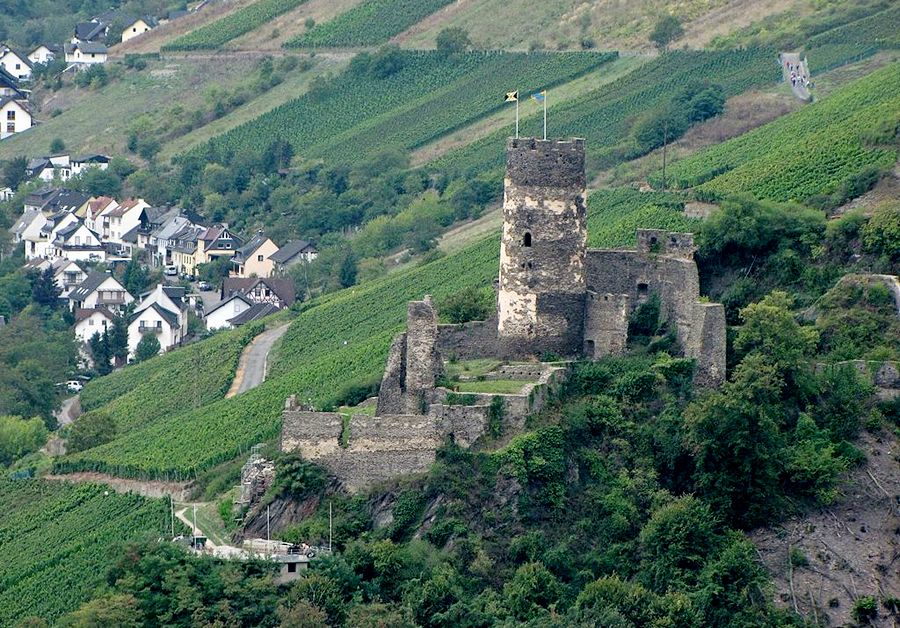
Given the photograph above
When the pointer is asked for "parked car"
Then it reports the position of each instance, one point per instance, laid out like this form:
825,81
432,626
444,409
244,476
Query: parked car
74,386
204,285
171,271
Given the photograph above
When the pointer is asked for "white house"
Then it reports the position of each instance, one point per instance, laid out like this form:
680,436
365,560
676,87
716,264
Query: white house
82,163
44,53
171,298
155,319
219,317
90,322
124,218
292,253
39,243
9,86
100,290
138,27
28,217
14,116
85,53
67,275
16,64
78,243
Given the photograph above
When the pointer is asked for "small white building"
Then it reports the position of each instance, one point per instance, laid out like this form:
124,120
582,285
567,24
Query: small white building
100,290
138,27
86,53
219,317
14,117
155,319
90,322
94,160
44,53
15,63
67,275
78,243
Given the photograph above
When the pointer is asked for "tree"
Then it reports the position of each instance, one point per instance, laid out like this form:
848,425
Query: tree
532,588
118,340
147,347
668,28
135,277
90,430
469,304
44,290
348,270
453,40
13,172
97,182
101,352
19,437
109,610
57,146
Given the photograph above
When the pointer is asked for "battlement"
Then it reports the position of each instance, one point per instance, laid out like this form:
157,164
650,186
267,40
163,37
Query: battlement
666,243
546,163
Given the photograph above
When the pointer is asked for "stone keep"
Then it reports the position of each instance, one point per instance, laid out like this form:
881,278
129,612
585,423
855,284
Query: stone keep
542,250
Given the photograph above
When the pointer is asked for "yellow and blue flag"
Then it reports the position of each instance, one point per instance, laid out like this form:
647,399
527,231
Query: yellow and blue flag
540,96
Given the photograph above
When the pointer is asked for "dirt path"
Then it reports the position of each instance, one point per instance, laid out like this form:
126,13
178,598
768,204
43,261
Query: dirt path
70,410
800,68
148,488
254,362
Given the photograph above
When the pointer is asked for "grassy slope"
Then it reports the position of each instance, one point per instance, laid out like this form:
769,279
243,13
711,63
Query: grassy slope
56,541
97,120
807,152
340,339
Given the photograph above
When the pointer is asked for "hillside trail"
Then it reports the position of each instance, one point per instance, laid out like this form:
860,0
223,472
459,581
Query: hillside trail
254,361
69,411
791,62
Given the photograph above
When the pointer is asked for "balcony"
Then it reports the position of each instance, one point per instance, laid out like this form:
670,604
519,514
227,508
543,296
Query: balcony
116,298
149,329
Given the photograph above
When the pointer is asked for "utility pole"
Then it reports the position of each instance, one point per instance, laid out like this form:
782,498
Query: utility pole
267,522
330,526
172,513
665,145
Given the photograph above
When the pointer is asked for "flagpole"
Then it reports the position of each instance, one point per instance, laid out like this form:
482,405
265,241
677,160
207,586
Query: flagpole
517,117
545,115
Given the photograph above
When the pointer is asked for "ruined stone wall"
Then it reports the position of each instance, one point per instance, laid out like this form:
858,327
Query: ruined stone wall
468,341
541,284
390,393
312,434
605,324
706,344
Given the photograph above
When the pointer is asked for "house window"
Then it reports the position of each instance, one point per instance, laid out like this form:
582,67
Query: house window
292,567
10,115
526,239
18,66
259,258
643,288
10,127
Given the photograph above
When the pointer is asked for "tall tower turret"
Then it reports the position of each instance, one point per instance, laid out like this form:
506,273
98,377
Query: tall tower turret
542,250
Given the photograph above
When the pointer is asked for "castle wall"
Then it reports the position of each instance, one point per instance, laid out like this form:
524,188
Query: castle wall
541,285
706,344
468,341
312,434
390,393
423,362
605,324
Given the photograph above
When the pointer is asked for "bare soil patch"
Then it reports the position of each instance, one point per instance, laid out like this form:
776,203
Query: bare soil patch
852,549
180,491
735,15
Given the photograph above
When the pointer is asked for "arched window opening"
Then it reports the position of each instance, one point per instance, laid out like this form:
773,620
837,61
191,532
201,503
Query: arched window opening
526,239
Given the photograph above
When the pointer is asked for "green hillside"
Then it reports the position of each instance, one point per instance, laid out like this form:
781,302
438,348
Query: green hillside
336,341
57,541
811,151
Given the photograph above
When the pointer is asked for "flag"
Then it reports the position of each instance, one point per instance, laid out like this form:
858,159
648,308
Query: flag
512,96
540,96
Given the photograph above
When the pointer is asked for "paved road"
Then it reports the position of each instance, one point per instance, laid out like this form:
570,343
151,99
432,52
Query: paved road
251,370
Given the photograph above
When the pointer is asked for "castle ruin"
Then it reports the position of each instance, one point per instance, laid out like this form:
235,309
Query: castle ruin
555,296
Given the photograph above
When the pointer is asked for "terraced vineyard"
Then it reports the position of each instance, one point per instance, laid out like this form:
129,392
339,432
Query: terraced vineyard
336,341
220,32
853,41
808,152
191,377
604,116
56,540
370,23
356,115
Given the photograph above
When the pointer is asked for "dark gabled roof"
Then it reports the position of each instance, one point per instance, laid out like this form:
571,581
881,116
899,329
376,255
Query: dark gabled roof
290,250
85,313
23,57
18,101
131,236
149,20
90,283
86,31
256,311
92,47
67,201
9,81
54,48
252,244
37,164
168,315
227,300
283,288
65,232
94,158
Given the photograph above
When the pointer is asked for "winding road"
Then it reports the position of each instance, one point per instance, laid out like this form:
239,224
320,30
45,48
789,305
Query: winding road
254,362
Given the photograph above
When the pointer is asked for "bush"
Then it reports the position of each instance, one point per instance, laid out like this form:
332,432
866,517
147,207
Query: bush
90,430
19,437
865,609
469,304
453,40
881,235
668,28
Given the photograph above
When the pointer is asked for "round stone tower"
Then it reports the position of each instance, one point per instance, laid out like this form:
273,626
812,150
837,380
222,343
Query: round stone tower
542,250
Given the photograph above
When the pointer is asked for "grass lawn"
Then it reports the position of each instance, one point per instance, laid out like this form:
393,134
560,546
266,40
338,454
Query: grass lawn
499,386
470,368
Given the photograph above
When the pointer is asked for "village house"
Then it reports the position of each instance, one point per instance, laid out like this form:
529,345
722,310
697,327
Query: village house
100,290
162,311
252,260
217,242
92,160
138,27
44,53
67,275
14,116
125,217
93,31
39,239
86,53
183,248
77,243
219,317
90,322
9,86
292,253
93,211
15,63
277,292
24,221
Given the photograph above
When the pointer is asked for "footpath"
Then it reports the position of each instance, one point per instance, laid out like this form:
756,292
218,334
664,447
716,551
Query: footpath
791,63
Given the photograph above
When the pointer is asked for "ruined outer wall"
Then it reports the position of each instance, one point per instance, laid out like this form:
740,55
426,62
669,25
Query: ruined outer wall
706,344
312,434
605,324
541,291
468,341
390,393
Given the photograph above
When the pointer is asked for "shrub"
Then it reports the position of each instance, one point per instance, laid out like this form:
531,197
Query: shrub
865,609
469,304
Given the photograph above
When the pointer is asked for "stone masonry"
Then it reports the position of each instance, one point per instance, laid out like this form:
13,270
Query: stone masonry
555,296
